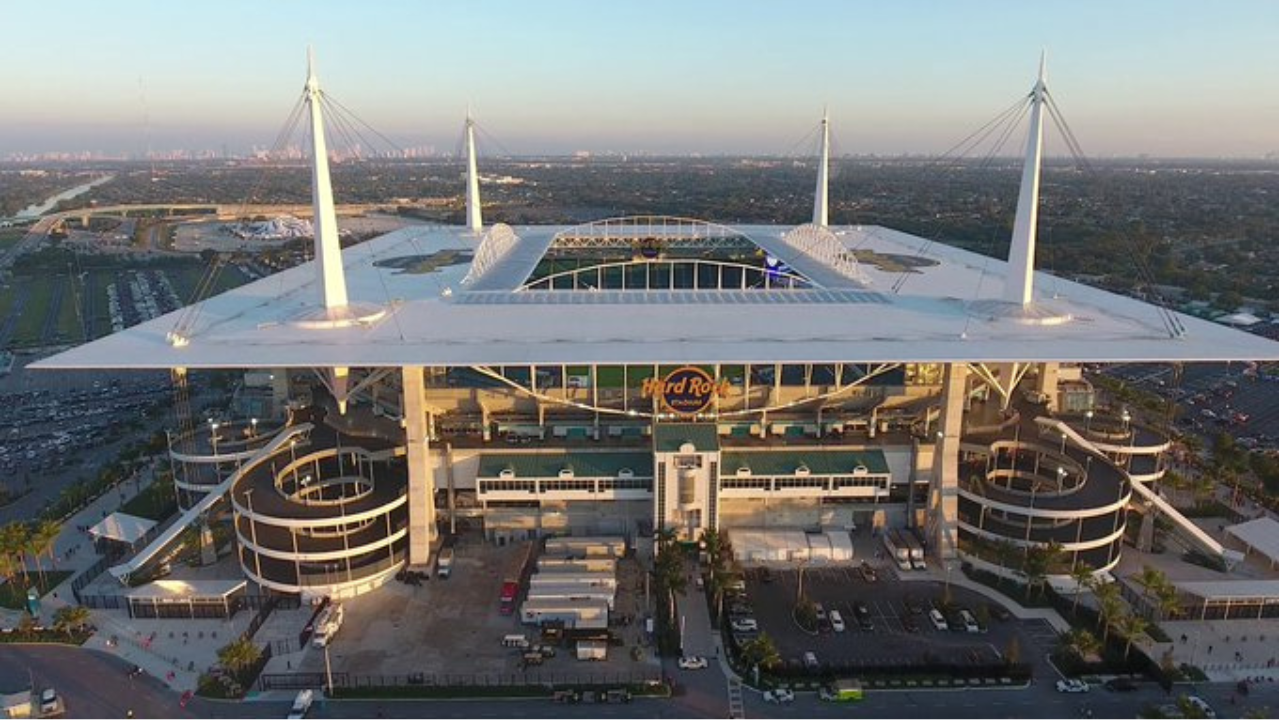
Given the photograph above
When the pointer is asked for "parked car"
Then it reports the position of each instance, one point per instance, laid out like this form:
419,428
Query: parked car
810,660
779,695
745,624
837,622
939,622
1072,685
868,572
970,622
863,613
692,662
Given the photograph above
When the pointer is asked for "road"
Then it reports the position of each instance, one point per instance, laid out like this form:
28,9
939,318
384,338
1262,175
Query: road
97,685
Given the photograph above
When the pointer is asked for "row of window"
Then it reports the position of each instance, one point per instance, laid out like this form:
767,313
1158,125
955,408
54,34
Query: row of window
536,486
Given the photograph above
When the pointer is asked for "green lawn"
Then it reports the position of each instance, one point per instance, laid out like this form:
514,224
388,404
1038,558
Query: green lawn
155,502
69,327
10,237
13,595
39,292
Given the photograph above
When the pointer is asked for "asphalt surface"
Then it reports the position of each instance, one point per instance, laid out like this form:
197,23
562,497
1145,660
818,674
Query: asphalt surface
97,685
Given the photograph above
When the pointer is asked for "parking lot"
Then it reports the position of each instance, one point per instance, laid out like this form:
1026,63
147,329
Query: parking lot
899,633
452,629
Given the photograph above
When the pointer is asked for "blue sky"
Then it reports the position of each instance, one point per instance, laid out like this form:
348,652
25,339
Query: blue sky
1164,78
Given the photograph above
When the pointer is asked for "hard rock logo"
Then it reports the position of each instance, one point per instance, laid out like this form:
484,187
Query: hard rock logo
685,390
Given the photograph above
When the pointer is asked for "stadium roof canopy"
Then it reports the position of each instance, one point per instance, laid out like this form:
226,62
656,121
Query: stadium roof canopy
454,299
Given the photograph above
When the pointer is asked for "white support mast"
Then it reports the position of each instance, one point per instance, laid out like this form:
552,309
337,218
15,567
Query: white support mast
820,193
328,251
474,222
334,310
1022,248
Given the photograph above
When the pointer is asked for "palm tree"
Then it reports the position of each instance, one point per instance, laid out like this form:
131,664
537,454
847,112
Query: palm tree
761,651
46,537
1109,606
1081,573
1039,560
13,543
1081,642
70,618
238,655
1168,601
1151,579
1129,627
1007,554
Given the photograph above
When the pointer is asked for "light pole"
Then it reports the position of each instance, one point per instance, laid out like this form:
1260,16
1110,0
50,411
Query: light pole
253,532
213,437
253,427
1088,419
681,633
328,669
1062,474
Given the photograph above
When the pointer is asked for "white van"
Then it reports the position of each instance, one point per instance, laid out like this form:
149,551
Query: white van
939,622
970,622
516,641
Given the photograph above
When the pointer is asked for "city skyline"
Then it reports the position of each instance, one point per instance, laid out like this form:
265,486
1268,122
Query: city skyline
1187,79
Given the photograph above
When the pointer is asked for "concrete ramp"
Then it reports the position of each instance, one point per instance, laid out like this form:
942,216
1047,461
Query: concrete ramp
125,569
1188,528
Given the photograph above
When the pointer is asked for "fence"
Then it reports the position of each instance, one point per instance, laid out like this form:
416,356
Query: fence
547,680
87,576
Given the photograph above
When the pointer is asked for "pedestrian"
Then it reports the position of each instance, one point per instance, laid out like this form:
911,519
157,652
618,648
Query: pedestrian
1210,649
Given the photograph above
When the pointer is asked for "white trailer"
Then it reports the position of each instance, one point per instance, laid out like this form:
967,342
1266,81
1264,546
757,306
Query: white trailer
897,549
841,545
593,580
571,592
576,565
586,547
914,549
593,650
585,614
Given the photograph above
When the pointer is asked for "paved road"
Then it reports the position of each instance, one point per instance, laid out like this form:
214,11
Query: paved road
97,685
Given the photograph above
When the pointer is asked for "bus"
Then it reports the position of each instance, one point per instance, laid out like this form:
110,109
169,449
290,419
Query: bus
841,691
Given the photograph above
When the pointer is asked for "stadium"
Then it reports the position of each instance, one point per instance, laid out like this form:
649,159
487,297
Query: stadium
644,374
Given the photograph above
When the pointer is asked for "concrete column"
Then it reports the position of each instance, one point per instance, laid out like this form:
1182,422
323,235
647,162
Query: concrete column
944,489
422,485
1047,384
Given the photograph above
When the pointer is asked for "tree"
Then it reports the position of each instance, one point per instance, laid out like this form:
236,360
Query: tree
1008,555
1013,651
1168,601
761,651
1081,573
239,654
1039,560
46,536
1151,579
1129,627
1080,642
13,543
1109,606
70,618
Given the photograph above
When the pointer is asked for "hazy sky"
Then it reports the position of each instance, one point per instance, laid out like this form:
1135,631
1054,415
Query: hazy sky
1161,77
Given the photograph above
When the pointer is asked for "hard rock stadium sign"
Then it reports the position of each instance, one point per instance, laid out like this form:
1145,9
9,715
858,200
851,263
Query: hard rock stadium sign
687,390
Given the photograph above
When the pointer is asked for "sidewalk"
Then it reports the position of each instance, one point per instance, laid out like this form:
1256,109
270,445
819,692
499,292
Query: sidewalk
958,578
